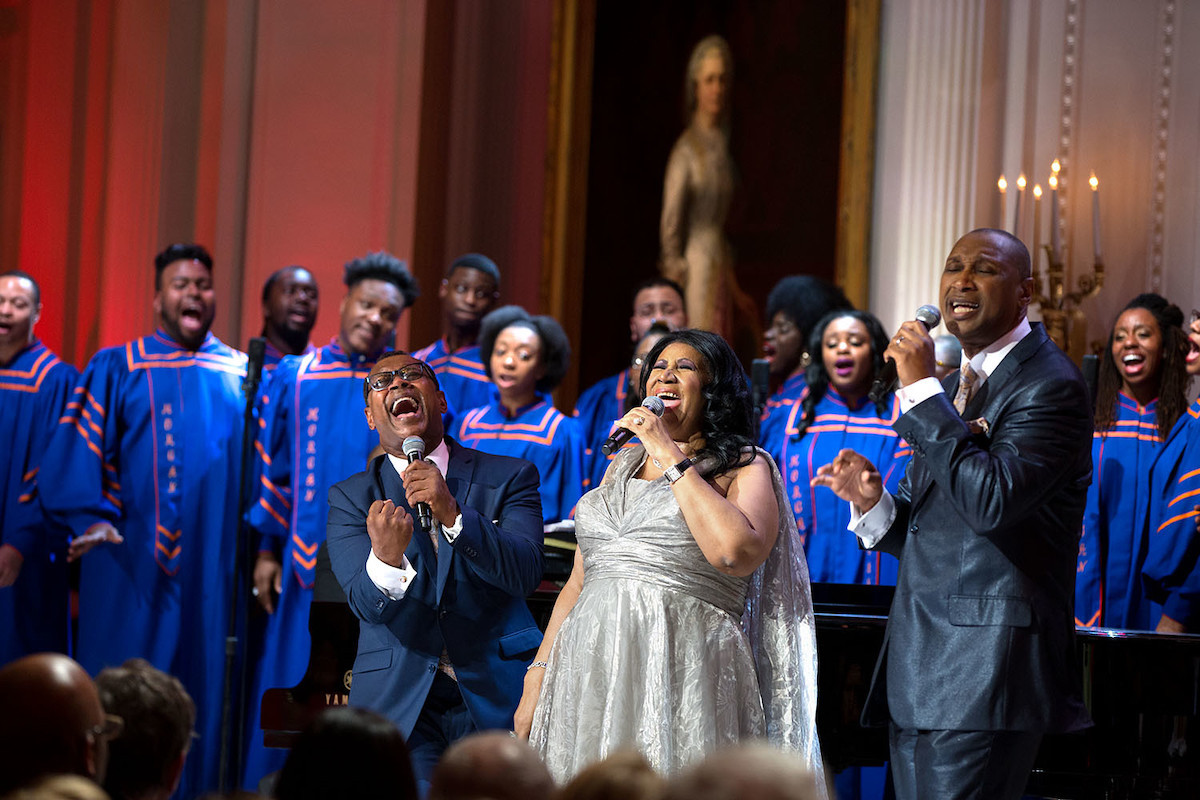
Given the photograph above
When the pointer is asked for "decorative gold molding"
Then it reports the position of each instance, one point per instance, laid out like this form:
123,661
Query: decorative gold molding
569,115
857,169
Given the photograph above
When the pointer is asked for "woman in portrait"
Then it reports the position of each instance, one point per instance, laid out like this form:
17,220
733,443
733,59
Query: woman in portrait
687,621
526,357
1140,394
696,194
834,413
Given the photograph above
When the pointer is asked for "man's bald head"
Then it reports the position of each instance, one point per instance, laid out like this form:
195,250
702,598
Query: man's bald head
492,764
748,770
51,710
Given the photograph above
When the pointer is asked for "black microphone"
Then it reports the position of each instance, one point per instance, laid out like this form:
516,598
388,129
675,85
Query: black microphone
256,353
760,383
622,435
414,450
887,381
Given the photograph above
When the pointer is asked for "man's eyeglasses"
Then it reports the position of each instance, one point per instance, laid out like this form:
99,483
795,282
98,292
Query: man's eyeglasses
409,373
109,729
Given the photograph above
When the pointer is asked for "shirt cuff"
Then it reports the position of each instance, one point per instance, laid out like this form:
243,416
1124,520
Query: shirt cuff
872,526
392,581
451,533
918,392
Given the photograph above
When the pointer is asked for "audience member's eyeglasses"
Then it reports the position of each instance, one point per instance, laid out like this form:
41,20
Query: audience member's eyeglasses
109,729
637,361
409,373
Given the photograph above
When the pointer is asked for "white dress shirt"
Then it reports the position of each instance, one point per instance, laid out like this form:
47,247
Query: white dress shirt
394,581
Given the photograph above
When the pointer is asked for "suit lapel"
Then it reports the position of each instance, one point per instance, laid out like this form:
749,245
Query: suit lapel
1005,371
458,480
420,549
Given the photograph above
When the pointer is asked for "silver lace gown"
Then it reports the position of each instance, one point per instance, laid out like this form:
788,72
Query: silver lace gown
667,655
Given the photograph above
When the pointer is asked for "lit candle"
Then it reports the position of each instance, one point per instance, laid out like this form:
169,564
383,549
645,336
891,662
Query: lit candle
1002,185
1054,237
1037,224
1095,184
1017,212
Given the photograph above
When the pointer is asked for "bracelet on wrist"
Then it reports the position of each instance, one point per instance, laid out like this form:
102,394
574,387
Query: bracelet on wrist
541,664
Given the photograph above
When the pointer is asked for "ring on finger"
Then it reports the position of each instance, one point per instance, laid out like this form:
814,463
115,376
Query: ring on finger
638,421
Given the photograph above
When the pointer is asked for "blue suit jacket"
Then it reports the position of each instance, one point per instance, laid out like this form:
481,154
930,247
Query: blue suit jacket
467,598
981,631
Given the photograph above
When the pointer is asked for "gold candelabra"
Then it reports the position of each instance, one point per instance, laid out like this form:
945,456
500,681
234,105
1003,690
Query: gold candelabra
1065,321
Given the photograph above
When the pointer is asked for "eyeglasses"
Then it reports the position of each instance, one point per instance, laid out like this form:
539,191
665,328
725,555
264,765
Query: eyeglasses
109,729
409,373
637,361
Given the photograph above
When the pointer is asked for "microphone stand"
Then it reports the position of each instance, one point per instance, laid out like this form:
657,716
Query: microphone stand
233,719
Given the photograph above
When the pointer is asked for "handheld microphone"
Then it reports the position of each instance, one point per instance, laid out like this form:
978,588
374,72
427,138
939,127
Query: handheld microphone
414,450
622,435
887,381
760,383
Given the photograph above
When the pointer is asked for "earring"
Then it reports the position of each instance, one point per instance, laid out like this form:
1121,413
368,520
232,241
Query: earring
805,360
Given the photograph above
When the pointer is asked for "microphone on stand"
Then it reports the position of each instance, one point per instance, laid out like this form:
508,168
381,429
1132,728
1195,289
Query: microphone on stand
887,381
622,435
414,450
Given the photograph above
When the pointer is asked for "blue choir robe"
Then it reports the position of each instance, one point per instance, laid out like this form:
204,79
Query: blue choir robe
833,552
34,389
313,434
1171,574
461,376
597,409
151,442
773,422
539,433
1112,547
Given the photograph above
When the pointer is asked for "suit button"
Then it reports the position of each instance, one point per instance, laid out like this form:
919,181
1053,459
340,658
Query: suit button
441,613
379,604
912,528
433,667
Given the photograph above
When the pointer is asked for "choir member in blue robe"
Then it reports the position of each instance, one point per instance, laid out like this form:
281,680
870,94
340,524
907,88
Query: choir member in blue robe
656,300
1139,396
468,292
794,306
313,434
290,301
628,396
835,413
147,460
527,357
34,387
1171,575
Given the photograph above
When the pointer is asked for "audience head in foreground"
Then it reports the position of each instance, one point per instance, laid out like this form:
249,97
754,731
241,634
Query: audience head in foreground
146,761
750,770
348,753
491,764
53,723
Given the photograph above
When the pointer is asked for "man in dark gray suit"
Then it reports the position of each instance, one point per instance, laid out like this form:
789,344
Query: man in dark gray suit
977,660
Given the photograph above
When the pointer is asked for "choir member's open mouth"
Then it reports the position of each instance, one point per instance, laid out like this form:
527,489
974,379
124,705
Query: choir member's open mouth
405,405
1133,363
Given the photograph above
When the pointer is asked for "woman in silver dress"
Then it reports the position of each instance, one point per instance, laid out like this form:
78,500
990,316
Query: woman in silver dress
687,622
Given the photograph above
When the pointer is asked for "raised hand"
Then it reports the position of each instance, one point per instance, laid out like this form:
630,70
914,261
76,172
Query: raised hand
390,528
853,478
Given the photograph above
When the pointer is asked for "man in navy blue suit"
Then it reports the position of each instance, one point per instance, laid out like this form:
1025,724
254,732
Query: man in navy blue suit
445,635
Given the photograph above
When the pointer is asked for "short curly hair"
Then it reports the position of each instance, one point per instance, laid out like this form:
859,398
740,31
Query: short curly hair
728,423
383,266
556,348
181,251
804,300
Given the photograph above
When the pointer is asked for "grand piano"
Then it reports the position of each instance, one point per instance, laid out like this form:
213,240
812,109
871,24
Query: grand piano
1142,689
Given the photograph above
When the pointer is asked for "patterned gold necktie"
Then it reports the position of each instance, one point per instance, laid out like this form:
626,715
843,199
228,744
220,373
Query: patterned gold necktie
966,387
